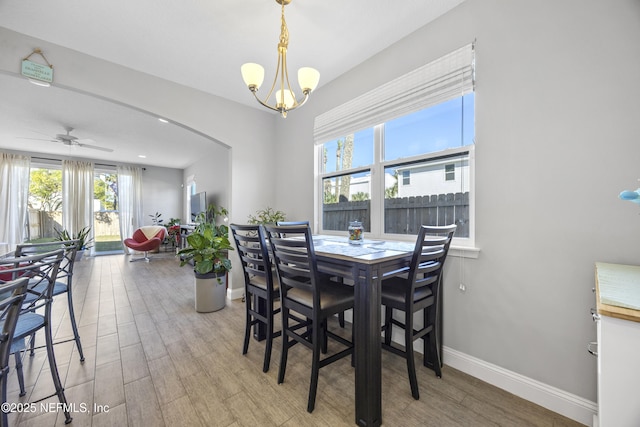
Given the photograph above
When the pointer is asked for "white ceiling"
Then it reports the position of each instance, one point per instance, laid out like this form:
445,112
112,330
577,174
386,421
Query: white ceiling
196,43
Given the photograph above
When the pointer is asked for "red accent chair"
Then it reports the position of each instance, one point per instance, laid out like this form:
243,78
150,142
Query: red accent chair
145,239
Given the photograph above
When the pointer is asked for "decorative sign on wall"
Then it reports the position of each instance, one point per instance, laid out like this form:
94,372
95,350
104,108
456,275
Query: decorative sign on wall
35,71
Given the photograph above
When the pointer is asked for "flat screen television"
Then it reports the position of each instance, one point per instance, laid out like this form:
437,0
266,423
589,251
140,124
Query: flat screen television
198,204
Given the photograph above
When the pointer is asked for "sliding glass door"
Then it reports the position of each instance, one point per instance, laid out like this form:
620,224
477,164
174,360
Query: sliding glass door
106,218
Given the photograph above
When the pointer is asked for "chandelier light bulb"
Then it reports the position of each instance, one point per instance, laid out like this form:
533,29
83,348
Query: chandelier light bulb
308,78
252,74
289,98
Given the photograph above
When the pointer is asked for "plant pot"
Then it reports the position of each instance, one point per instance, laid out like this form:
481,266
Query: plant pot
210,292
79,254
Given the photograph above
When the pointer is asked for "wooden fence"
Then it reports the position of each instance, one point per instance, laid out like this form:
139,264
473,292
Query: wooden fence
404,215
42,224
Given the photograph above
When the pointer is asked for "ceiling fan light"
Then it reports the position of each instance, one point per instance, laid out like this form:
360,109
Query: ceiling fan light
308,78
39,82
253,75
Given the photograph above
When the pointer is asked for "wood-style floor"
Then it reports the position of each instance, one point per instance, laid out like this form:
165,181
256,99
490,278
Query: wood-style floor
151,360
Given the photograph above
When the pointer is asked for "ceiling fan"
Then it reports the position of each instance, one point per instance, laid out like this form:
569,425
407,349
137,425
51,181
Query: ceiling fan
71,140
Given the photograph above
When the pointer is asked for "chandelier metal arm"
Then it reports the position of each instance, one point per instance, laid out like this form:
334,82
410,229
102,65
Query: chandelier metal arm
281,110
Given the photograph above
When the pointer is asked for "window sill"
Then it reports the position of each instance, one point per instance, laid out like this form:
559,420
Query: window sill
464,252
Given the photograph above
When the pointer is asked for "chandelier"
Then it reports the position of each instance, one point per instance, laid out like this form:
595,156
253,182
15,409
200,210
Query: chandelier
285,98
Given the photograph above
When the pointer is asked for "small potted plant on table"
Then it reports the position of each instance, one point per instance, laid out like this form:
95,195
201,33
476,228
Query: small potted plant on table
207,249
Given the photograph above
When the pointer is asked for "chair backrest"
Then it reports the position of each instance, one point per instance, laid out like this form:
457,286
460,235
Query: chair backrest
290,223
287,223
70,250
13,293
41,270
429,255
253,252
295,259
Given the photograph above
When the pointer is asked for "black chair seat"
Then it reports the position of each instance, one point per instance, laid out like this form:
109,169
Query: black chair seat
261,282
394,292
334,298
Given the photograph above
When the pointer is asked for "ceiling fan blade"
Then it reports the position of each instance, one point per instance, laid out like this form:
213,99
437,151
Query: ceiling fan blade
94,147
36,139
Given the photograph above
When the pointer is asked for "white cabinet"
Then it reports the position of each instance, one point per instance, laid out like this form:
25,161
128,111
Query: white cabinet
618,332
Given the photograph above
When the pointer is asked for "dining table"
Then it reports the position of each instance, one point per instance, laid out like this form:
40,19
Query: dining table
365,264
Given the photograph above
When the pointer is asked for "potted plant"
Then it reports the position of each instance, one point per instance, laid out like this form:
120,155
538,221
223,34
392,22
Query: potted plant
85,241
267,216
173,232
207,249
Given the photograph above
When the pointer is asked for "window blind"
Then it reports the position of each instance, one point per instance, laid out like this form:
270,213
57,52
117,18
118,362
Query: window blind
445,78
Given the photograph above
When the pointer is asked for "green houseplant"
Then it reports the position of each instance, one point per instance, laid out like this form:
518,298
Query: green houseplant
267,216
207,248
85,241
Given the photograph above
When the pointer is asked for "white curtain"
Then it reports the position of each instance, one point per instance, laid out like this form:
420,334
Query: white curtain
129,200
14,194
77,199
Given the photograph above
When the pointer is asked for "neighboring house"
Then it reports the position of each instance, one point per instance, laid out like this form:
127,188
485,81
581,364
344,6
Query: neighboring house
437,177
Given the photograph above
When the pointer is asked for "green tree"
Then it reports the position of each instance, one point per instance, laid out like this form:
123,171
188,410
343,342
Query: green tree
104,189
360,196
45,189
392,192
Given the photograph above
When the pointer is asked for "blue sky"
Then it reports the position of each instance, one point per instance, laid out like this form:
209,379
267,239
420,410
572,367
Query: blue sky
433,129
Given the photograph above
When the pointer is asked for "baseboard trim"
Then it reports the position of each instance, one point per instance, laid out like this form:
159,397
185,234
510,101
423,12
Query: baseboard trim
235,293
554,399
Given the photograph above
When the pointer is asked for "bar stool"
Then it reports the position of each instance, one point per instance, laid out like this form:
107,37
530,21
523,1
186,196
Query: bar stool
42,271
64,281
307,300
261,286
11,297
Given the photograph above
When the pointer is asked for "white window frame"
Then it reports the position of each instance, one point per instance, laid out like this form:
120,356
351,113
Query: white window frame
377,189
438,81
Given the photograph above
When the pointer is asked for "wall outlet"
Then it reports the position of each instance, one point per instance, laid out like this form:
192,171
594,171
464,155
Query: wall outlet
462,287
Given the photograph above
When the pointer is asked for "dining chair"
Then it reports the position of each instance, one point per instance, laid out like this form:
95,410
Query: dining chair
307,300
337,279
11,296
35,313
261,287
418,290
64,280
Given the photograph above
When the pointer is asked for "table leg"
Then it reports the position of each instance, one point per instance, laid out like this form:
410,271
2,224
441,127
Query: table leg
367,347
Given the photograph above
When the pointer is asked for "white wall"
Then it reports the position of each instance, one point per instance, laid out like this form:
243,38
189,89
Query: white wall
211,175
557,139
162,192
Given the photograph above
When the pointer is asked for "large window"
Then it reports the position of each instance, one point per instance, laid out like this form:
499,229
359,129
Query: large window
413,168
425,161
106,215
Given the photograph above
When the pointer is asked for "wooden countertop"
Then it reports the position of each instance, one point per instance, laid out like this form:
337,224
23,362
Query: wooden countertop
618,291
